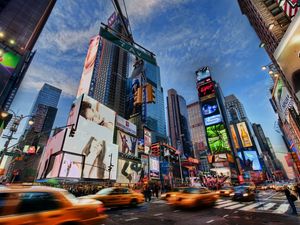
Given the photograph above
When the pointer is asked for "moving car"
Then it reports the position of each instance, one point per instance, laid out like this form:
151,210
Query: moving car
117,196
193,197
243,193
173,192
250,185
47,206
225,191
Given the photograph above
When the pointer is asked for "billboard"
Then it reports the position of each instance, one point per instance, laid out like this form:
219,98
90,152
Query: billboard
202,73
206,91
141,145
244,134
217,139
145,167
74,112
129,172
127,144
125,125
234,137
54,164
147,140
8,64
88,68
212,120
71,166
54,145
220,158
251,160
210,108
154,167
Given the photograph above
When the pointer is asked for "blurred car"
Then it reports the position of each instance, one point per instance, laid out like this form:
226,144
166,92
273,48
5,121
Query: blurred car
280,187
193,197
173,192
243,193
117,196
250,185
49,206
225,191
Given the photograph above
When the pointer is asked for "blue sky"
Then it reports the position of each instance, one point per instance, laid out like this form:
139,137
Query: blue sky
184,35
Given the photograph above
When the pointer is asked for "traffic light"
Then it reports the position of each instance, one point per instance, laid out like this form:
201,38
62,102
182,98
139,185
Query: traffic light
150,93
72,132
138,96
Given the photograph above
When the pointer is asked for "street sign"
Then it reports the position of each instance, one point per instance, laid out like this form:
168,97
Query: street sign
127,46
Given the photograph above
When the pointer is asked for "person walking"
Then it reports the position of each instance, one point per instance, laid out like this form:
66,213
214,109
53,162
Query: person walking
291,200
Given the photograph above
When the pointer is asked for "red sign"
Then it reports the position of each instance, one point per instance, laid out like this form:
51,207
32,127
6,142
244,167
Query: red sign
31,150
241,179
193,160
206,89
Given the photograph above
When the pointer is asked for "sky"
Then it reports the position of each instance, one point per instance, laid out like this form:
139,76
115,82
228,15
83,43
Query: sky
184,34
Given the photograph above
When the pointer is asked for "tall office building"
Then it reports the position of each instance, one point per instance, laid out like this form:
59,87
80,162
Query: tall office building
178,122
235,109
21,23
106,70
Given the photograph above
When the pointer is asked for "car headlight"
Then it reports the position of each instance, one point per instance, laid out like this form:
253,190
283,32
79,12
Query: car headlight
226,192
173,195
218,192
232,194
245,195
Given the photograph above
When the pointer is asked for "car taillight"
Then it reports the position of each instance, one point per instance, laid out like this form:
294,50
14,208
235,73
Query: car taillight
100,209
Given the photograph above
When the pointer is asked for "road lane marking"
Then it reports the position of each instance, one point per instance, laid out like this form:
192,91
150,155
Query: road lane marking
252,206
267,206
235,206
176,211
158,214
210,221
227,204
223,202
134,218
225,215
282,208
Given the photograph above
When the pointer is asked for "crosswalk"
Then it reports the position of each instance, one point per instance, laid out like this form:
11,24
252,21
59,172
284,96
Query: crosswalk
271,207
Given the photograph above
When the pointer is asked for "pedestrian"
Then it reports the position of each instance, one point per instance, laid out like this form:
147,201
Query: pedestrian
291,198
156,190
297,190
149,193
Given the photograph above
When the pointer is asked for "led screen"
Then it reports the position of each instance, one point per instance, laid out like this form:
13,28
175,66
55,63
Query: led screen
88,68
147,140
206,90
244,134
154,167
145,166
129,171
127,144
202,73
210,108
234,137
71,166
141,146
220,158
251,160
212,120
217,139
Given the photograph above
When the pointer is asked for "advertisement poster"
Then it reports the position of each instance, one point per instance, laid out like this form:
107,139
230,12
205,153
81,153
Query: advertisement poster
234,137
220,158
141,146
217,139
125,125
251,160
127,144
147,140
129,172
88,68
210,108
8,64
206,90
71,166
212,120
244,135
154,167
202,73
54,145
74,112
145,166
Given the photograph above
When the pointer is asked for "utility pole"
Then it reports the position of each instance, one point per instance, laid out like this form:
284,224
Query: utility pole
110,168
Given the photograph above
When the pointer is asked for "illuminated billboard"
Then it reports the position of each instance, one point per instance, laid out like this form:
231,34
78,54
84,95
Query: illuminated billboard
202,73
234,137
127,144
145,166
244,134
154,167
212,120
129,172
217,139
8,64
147,140
210,108
206,91
88,68
141,145
252,160
71,166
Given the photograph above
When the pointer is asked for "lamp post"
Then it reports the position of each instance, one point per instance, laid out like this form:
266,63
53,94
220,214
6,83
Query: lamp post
13,129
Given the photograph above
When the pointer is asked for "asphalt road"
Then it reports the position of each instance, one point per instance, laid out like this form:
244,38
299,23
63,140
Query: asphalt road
270,208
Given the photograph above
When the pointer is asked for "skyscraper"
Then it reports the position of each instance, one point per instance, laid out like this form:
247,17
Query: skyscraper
178,122
21,23
108,70
235,109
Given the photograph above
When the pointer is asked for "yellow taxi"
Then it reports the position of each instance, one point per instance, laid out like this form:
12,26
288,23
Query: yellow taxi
173,192
117,196
193,197
225,191
48,206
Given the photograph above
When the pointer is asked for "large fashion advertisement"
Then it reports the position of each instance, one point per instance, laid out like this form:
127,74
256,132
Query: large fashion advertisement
125,125
217,139
127,144
71,166
145,167
129,171
147,140
154,167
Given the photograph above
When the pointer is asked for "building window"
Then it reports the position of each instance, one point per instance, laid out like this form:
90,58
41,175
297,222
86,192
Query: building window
276,11
269,2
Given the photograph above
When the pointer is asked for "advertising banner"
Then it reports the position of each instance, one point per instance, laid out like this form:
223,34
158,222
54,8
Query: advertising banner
202,73
71,166
210,108
154,167
217,139
147,140
141,146
88,68
8,64
125,125
212,120
127,144
145,167
289,160
220,158
129,172
244,135
74,112
250,161
206,91
234,137
54,145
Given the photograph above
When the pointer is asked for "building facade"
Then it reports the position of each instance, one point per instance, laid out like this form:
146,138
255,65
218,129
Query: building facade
21,23
235,109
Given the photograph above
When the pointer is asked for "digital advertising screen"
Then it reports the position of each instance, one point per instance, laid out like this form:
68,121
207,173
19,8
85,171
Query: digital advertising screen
147,140
234,137
127,144
145,166
210,108
129,172
88,67
202,73
251,160
244,134
154,167
206,90
71,166
217,139
220,158
8,64
141,145
210,120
